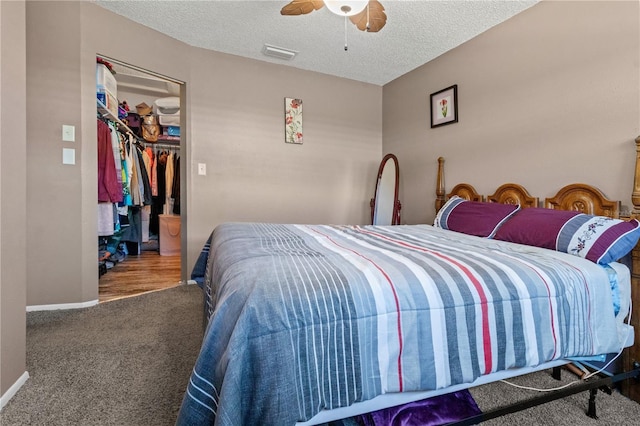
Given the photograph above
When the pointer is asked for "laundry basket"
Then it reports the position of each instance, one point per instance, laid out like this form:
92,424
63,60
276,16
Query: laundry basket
169,235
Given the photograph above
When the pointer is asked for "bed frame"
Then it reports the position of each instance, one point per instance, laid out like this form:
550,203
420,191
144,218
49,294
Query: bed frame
589,200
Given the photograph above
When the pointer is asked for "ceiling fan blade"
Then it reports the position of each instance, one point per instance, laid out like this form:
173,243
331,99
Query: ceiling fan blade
377,17
301,7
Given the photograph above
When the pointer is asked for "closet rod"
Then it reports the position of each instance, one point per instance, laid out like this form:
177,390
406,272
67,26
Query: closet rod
161,145
108,114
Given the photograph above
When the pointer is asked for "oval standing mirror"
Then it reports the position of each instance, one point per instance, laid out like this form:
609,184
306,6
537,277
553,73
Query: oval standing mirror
385,207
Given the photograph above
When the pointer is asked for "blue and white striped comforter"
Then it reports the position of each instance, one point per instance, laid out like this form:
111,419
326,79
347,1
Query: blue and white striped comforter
305,318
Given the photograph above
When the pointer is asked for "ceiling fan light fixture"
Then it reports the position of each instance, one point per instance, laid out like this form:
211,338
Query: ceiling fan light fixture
346,7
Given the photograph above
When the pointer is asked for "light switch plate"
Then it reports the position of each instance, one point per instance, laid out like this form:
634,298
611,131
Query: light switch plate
202,169
68,133
68,156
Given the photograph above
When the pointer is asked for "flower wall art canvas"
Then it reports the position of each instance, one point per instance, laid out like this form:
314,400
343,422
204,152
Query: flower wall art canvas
444,106
293,120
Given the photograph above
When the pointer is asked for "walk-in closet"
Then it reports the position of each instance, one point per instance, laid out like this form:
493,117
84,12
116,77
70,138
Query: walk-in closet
139,150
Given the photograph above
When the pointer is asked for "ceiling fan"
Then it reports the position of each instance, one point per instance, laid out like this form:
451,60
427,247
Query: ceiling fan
366,15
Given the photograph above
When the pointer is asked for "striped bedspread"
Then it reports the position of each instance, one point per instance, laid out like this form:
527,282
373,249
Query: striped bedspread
312,317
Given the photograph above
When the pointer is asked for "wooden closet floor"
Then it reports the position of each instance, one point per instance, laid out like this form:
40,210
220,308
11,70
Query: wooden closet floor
139,274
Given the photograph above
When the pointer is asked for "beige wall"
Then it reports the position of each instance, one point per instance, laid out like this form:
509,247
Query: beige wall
54,210
234,123
12,195
544,101
237,114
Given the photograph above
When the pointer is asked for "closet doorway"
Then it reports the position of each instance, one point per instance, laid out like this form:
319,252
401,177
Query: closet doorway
139,235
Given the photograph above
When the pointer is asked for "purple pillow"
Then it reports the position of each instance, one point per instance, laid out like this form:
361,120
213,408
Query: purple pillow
596,238
473,217
535,227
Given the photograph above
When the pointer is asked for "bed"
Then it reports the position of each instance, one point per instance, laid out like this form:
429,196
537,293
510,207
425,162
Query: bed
311,323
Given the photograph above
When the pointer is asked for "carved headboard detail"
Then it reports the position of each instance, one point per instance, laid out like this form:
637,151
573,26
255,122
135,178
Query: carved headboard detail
583,198
466,191
512,193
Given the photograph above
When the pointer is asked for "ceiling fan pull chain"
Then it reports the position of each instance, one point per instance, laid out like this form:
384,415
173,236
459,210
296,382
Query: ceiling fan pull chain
345,34
368,27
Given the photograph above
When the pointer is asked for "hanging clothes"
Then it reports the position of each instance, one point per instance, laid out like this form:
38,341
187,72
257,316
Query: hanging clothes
147,158
154,175
145,186
157,205
115,146
149,161
124,187
106,219
168,205
125,173
176,187
109,189
136,193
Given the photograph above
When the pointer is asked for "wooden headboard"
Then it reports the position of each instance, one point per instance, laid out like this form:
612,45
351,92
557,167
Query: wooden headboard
577,196
580,197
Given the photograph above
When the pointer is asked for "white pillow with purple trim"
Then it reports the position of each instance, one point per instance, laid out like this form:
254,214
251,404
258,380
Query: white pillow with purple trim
597,238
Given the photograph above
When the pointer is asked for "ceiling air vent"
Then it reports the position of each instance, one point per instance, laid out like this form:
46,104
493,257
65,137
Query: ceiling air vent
279,52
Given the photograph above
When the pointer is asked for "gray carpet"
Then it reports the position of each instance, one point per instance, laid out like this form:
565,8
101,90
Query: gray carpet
613,409
127,362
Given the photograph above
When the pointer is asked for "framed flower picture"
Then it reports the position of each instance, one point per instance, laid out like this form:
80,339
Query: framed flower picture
444,106
293,120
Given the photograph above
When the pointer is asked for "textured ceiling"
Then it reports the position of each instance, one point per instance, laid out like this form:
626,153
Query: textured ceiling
416,31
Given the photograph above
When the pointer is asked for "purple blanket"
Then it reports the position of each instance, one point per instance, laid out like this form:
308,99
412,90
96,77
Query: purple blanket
434,411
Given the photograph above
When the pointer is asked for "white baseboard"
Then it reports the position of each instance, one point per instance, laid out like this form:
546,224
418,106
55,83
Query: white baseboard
13,389
88,304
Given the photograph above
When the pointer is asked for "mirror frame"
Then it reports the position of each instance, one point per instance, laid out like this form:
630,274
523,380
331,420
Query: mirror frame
395,217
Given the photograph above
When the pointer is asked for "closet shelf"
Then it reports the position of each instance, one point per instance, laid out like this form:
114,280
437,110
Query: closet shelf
102,109
171,141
